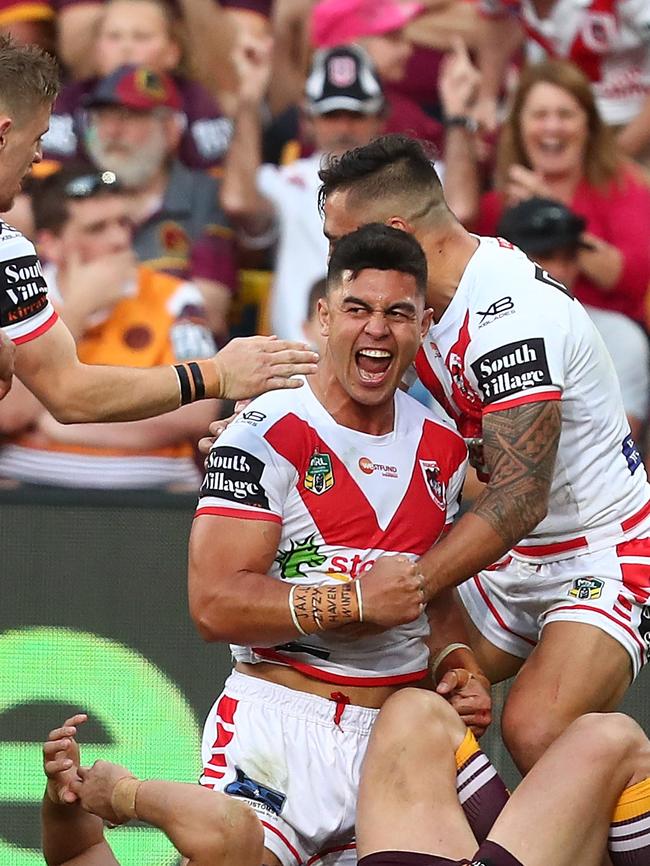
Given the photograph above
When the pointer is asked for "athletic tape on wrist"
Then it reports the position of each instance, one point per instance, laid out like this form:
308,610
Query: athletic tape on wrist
319,608
123,798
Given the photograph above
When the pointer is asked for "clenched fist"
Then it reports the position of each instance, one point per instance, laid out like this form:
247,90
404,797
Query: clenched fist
392,592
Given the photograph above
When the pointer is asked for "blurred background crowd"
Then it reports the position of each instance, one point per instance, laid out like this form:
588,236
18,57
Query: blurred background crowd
176,202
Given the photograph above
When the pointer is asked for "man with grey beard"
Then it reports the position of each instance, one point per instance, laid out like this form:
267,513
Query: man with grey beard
133,129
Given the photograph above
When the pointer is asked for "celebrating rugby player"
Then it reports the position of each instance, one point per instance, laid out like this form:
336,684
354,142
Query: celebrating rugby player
552,557
314,506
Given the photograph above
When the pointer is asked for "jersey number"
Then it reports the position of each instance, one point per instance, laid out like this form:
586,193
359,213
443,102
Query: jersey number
544,277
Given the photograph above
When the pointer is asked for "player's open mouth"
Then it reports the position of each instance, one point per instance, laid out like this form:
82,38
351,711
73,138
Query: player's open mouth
373,365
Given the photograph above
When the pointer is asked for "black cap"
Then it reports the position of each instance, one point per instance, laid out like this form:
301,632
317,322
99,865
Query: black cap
343,78
541,225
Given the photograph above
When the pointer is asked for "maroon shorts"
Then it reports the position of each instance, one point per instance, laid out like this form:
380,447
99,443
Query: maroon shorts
489,854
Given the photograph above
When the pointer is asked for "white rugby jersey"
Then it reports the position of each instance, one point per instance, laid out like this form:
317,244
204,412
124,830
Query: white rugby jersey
25,311
608,39
343,498
513,335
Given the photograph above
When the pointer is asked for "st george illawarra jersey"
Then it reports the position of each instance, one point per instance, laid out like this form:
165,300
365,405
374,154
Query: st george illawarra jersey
25,311
343,498
513,335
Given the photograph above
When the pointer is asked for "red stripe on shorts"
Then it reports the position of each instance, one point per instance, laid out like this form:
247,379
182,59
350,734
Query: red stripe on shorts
349,847
223,737
218,760
495,613
226,709
623,625
284,839
213,774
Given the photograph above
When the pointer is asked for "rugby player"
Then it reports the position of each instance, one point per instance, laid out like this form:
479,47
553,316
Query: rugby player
553,557
592,785
46,359
314,506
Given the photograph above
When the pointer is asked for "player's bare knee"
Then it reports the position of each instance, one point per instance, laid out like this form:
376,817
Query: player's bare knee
236,837
616,741
421,710
528,732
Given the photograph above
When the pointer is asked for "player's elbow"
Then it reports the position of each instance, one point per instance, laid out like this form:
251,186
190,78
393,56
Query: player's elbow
212,617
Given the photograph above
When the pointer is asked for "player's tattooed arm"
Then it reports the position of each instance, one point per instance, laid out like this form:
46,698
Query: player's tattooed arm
520,447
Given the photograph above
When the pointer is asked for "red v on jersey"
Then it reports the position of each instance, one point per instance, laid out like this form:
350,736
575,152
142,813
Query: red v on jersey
345,517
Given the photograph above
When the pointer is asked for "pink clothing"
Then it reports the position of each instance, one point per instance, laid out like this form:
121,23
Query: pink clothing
620,215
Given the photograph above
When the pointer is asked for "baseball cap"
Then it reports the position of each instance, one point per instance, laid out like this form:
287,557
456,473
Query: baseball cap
343,79
335,22
542,225
136,87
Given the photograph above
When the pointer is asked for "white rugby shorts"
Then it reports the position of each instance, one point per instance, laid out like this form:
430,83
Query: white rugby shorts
295,758
511,602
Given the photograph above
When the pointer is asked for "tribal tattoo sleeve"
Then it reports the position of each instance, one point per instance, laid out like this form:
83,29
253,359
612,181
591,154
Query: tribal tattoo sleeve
520,446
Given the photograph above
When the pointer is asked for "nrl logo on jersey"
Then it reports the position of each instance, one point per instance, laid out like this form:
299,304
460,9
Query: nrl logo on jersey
435,486
586,588
319,477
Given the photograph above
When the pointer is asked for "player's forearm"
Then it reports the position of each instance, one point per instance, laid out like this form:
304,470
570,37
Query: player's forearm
520,445
472,545
68,832
98,393
446,629
254,609
239,195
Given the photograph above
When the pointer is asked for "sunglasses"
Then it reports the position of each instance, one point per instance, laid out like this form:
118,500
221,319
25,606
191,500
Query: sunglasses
88,185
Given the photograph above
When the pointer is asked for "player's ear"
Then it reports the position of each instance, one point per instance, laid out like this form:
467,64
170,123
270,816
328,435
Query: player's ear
396,222
427,319
5,126
324,316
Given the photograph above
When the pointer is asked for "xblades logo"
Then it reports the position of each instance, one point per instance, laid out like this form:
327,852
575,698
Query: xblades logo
500,308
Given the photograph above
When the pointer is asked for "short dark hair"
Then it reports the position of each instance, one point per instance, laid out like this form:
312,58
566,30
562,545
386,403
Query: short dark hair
29,77
50,198
389,167
381,248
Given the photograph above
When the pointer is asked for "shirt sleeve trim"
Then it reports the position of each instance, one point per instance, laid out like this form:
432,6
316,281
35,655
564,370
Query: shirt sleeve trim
540,397
240,513
37,332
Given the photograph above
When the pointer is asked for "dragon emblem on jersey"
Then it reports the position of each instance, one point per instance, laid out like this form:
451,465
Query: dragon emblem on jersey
319,477
463,395
300,554
435,486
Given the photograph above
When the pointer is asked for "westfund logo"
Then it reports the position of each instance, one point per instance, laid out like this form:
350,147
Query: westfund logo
511,369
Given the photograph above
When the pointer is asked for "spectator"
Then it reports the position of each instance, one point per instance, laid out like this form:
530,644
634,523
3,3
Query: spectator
134,130
555,145
119,313
608,40
344,106
550,233
378,26
212,28
142,33
28,22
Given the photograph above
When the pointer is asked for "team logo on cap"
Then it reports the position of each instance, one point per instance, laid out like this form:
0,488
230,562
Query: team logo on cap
148,82
342,71
319,477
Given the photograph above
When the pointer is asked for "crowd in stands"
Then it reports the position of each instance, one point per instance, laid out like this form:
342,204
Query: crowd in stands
177,201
